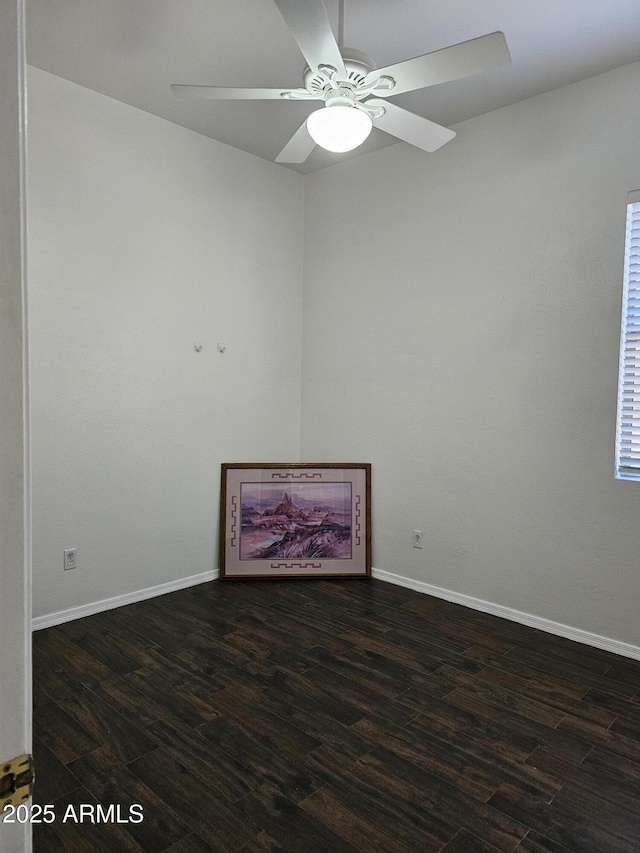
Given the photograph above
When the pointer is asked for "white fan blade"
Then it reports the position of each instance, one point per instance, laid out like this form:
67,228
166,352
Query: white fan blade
222,93
450,63
409,127
298,147
310,27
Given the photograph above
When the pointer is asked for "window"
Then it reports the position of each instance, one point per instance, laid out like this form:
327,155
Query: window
628,422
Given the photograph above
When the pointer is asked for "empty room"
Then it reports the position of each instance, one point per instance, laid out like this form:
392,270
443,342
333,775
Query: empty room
320,476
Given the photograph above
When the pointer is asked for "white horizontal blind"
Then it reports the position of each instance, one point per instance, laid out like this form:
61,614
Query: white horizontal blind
628,424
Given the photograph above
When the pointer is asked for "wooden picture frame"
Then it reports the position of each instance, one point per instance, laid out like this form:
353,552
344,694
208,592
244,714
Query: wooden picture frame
283,520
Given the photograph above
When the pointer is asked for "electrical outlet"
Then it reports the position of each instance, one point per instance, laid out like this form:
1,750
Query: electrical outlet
71,559
418,538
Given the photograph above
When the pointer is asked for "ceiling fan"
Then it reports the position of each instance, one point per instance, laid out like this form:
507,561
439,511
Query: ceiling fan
354,91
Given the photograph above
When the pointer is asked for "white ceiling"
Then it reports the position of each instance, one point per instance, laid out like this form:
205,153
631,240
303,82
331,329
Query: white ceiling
132,50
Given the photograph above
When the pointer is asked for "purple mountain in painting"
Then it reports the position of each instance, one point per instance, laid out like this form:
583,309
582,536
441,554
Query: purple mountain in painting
287,508
287,532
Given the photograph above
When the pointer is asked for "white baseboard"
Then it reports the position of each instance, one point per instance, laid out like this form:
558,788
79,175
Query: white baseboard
557,628
580,636
61,616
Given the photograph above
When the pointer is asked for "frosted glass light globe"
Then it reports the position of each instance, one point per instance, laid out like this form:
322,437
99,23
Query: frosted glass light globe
339,128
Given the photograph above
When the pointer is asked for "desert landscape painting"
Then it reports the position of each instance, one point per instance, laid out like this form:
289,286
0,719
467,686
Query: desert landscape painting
296,521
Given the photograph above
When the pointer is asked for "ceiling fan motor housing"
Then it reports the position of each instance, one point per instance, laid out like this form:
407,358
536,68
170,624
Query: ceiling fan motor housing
342,97
358,65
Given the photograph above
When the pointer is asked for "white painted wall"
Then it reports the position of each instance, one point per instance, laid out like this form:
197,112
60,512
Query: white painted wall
461,328
146,237
15,645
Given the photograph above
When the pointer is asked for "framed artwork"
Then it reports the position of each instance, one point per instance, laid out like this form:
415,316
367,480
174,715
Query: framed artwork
295,520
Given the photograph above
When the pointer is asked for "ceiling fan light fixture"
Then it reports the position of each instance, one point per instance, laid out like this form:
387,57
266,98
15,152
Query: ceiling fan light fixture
339,128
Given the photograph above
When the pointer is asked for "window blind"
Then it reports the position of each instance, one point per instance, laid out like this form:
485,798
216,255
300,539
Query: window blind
628,422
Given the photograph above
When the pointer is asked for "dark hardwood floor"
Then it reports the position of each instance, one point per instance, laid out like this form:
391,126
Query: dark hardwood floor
332,716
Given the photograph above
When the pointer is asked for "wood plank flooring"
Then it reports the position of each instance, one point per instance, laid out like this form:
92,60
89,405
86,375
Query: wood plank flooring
336,716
